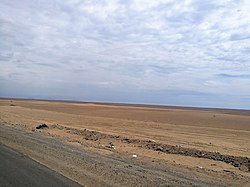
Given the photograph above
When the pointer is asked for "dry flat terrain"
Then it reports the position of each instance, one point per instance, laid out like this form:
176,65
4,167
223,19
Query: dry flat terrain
131,145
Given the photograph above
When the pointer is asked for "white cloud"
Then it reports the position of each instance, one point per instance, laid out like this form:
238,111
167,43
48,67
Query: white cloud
120,45
101,10
144,5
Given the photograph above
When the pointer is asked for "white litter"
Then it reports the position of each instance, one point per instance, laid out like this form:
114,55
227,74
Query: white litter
134,156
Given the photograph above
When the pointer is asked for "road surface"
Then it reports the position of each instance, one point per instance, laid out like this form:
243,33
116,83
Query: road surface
19,170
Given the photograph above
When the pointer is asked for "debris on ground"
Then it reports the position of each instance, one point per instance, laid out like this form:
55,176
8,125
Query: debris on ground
42,126
134,156
200,167
111,146
236,161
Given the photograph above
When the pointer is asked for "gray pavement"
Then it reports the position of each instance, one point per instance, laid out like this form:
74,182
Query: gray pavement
19,170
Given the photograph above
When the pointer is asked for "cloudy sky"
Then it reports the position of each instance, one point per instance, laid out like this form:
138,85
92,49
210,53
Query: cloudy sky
171,52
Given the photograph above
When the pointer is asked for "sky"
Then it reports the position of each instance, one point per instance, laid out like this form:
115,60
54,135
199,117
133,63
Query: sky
167,52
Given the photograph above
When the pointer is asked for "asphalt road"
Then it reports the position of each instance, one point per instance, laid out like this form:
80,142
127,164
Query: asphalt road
19,170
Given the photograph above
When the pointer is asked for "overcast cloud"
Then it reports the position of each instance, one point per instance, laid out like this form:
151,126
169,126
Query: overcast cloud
172,52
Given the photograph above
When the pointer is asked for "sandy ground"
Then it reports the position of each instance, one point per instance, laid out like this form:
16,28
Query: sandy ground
147,132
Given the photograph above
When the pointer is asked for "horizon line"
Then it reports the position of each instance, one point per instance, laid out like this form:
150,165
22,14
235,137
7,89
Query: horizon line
148,105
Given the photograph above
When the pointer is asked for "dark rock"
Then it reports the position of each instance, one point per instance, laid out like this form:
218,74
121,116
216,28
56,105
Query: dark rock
159,148
42,126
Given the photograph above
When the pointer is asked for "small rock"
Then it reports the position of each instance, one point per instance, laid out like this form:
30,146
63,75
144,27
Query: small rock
159,148
42,126
243,168
111,144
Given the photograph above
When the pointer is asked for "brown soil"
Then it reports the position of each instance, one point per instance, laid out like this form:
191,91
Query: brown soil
236,161
210,140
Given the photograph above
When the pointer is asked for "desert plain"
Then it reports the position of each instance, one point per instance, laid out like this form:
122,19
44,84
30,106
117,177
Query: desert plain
105,144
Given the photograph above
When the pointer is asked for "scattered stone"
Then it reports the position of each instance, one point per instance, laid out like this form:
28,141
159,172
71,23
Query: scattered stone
42,126
159,148
126,140
111,146
243,168
236,161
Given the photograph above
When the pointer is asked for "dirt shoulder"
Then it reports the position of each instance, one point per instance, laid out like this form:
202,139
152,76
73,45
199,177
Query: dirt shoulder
93,169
